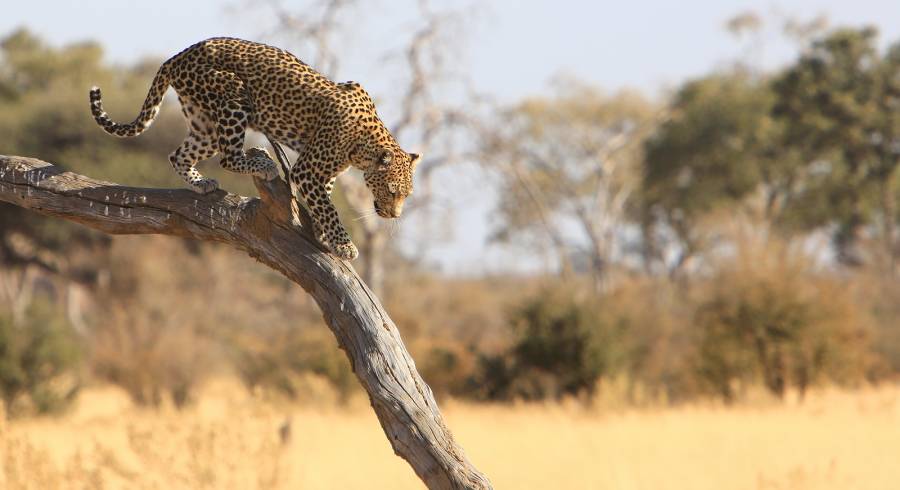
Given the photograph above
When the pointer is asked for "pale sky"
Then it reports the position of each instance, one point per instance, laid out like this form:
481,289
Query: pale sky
511,48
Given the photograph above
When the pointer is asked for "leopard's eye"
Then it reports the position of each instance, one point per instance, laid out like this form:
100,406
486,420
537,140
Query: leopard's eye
386,158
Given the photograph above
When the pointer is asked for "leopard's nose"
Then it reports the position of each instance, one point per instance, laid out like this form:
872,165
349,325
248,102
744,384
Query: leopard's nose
397,209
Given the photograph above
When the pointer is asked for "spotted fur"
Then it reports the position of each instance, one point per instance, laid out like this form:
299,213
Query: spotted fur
227,85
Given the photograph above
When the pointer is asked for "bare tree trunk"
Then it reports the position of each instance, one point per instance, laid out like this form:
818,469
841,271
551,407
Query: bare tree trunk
888,206
19,292
374,246
261,227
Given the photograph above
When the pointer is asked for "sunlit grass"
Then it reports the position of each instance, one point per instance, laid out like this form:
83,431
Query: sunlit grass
230,440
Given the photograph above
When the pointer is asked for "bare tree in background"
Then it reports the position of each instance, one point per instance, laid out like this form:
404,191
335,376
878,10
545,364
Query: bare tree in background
421,120
26,260
568,165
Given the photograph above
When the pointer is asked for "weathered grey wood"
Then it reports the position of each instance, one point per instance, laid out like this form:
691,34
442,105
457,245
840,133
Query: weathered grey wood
261,227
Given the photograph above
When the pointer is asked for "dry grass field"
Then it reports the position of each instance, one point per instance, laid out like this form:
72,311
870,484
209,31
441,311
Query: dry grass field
229,440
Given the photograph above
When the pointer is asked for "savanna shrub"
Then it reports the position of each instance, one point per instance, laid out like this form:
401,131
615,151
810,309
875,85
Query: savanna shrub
562,346
448,369
153,359
278,362
39,361
774,320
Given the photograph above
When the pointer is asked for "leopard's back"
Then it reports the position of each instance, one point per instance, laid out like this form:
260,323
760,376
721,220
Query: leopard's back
288,97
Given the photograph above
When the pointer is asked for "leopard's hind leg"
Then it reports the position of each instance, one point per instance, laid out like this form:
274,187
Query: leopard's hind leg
199,145
234,114
194,149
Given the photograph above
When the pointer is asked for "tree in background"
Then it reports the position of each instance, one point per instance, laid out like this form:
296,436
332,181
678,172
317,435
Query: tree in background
839,107
568,165
713,153
726,148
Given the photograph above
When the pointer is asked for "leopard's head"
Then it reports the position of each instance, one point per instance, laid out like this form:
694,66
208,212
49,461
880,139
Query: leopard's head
390,178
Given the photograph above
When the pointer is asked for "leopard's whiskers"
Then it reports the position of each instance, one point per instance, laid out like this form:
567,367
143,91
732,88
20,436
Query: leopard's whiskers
395,226
365,215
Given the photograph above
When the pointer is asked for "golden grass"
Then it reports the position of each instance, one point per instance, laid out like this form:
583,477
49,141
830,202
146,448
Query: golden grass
229,440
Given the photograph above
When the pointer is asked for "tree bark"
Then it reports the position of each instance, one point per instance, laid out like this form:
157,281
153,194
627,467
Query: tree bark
262,228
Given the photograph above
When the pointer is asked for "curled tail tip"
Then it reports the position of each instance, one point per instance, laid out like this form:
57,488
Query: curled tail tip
95,96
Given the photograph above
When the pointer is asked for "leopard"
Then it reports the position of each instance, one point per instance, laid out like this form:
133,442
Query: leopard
227,86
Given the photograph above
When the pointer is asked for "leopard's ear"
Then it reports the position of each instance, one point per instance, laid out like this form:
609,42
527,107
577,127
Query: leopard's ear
414,159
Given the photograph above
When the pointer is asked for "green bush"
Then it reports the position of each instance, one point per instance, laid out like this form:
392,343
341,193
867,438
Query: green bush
779,328
448,368
562,346
39,362
277,363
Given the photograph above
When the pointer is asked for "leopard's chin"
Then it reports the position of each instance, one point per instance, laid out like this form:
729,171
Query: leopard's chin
380,211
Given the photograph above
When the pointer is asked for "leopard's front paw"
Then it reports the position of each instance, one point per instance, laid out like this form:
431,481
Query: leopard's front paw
266,167
345,251
205,186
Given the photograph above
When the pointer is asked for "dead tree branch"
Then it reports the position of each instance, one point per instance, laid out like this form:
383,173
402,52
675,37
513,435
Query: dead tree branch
261,227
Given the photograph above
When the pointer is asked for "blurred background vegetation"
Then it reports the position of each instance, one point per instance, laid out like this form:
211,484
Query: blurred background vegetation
739,233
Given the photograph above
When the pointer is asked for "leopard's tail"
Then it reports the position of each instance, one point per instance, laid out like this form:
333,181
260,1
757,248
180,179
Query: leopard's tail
148,111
